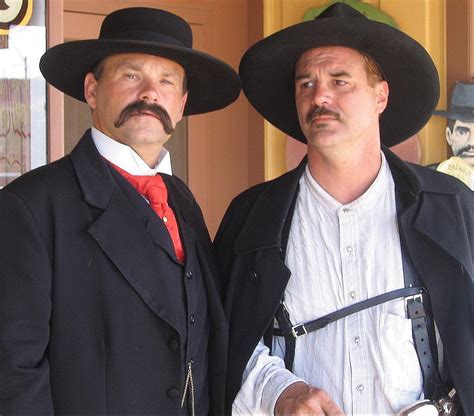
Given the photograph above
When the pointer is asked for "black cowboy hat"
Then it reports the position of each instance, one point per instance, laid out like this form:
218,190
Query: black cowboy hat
462,103
267,70
212,84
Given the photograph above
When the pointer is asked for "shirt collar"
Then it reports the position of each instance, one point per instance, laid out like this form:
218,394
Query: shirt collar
366,202
126,158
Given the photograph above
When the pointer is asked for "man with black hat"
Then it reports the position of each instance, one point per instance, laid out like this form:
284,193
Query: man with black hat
338,272
460,134
108,293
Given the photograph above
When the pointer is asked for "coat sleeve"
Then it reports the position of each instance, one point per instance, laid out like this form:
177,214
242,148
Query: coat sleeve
25,309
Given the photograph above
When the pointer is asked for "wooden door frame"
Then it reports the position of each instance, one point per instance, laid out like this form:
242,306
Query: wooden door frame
55,99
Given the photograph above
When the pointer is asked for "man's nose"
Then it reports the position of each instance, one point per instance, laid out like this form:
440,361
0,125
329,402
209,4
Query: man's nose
149,91
322,94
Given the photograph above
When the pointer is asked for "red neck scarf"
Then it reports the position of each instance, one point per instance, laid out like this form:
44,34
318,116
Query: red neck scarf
154,189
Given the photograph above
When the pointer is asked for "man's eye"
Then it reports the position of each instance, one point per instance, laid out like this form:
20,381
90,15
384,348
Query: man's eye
166,81
307,84
131,76
462,131
340,82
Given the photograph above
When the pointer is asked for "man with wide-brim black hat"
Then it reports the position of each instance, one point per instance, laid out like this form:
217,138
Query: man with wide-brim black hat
108,293
337,271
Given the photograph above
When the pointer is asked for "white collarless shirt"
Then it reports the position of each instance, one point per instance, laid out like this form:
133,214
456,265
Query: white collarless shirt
339,255
126,158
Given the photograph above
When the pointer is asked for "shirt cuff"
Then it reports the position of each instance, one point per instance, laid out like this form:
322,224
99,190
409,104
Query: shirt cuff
275,386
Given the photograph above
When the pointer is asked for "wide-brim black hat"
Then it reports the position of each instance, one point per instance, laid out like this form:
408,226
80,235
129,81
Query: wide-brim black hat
267,70
462,103
211,83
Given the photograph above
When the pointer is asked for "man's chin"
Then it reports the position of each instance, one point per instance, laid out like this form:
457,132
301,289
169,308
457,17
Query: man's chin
469,159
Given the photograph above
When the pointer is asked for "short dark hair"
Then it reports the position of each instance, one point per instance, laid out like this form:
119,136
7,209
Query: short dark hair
451,122
98,70
374,73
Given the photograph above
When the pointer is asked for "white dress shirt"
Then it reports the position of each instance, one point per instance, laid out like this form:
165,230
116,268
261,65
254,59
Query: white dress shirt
340,255
126,158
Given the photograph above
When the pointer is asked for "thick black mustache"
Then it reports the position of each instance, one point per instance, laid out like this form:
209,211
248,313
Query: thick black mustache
320,111
468,148
140,106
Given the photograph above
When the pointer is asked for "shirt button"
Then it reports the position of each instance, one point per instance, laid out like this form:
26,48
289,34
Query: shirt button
357,340
346,209
360,388
173,393
165,219
349,249
192,319
353,294
189,274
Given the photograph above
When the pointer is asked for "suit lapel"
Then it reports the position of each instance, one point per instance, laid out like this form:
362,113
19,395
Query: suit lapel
153,224
120,231
428,222
261,275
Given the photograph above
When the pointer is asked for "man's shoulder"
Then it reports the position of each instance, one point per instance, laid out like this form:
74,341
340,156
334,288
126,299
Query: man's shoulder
280,185
425,178
257,202
49,179
435,180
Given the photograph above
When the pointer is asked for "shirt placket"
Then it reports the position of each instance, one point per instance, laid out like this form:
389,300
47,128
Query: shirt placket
355,395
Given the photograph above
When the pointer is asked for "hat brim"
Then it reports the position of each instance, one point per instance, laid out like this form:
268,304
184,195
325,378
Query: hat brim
465,115
211,83
267,75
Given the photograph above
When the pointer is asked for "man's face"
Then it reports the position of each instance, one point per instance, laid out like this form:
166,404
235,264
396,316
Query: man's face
461,140
137,100
335,103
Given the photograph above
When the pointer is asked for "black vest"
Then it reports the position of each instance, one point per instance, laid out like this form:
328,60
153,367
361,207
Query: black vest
188,293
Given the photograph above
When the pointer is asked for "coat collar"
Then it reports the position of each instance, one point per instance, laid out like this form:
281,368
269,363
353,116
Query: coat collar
90,167
276,200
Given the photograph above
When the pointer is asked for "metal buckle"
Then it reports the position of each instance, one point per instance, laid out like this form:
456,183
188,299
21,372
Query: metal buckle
298,330
412,297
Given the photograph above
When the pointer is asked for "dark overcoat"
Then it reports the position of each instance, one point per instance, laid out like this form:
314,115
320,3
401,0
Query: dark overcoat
88,320
437,224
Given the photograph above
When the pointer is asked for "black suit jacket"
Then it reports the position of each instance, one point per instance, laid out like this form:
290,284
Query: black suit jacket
437,224
88,322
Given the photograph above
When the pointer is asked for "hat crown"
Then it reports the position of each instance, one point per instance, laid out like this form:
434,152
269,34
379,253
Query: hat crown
340,10
146,24
463,95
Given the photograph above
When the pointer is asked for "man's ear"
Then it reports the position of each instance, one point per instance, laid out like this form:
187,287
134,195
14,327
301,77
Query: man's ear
183,104
90,90
381,91
448,136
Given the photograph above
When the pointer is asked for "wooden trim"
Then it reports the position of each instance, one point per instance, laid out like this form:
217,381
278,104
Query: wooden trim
55,116
273,138
471,41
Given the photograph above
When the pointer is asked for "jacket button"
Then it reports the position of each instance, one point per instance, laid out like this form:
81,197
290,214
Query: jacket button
173,344
173,393
192,319
253,275
189,274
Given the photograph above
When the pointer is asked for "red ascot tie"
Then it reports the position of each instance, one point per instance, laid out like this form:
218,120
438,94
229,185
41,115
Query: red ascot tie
154,189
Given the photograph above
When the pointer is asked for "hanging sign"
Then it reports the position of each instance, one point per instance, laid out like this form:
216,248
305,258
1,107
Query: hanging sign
14,13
